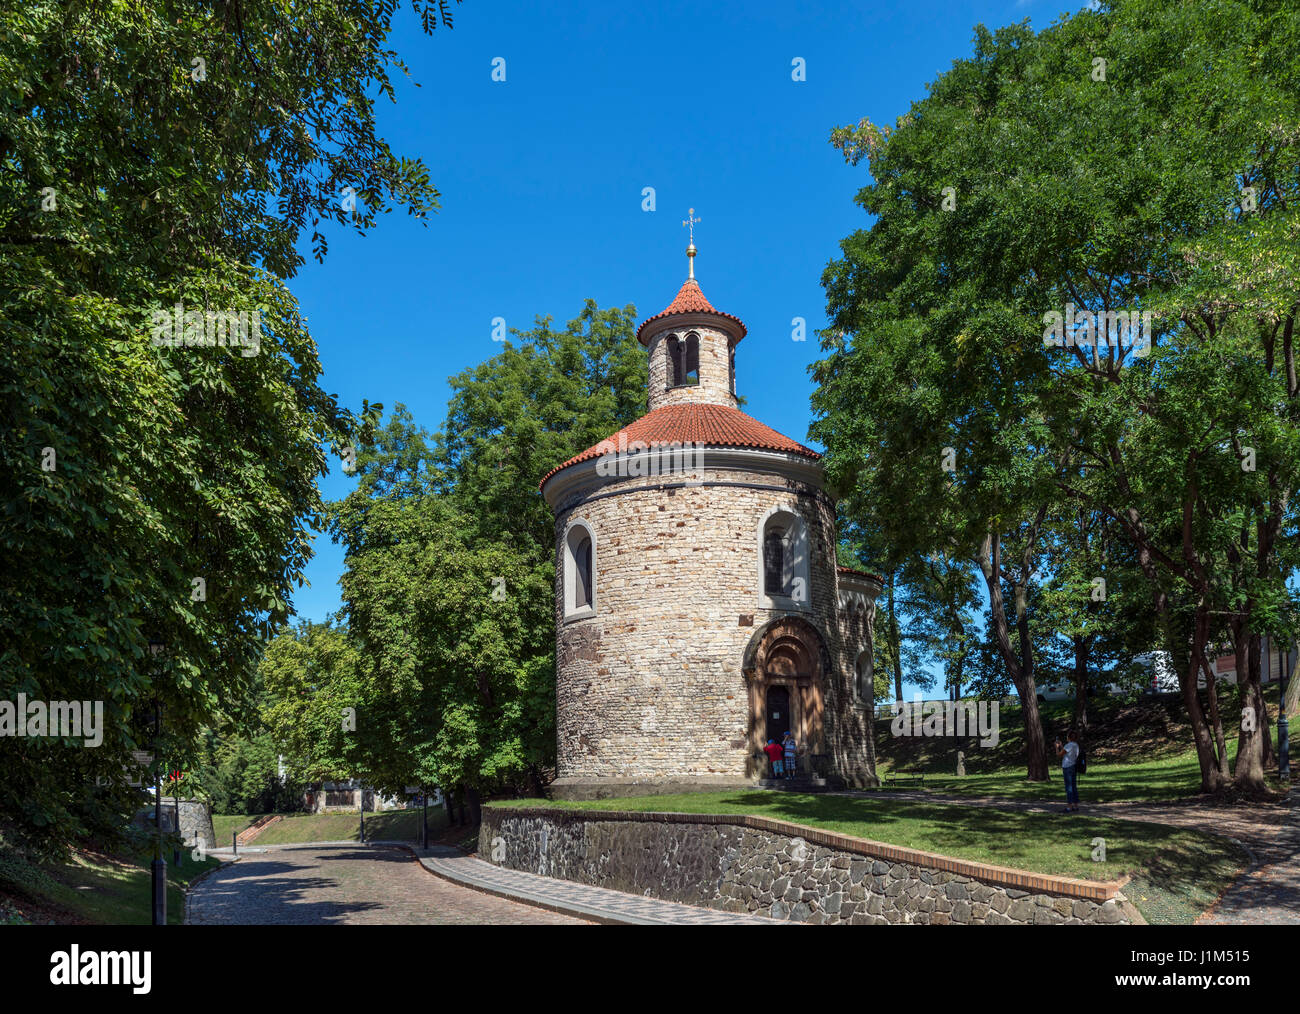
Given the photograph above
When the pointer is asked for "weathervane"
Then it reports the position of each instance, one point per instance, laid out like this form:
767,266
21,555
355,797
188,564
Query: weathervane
689,222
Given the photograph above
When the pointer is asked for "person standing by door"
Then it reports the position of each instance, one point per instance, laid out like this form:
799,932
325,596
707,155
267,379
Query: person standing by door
791,752
774,754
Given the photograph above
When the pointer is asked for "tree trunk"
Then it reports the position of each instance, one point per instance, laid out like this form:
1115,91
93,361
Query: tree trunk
1267,757
535,776
1265,726
894,637
1035,740
1020,667
1291,701
1249,773
1186,663
460,800
1212,779
475,810
1080,683
1216,720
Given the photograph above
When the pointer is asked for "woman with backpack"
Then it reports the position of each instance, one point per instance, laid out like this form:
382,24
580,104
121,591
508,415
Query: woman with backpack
1071,754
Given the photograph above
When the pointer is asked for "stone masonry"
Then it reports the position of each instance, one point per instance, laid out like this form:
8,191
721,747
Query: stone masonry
719,862
661,682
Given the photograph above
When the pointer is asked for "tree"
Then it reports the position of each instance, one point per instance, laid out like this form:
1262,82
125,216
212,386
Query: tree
1093,603
940,604
157,492
450,552
992,223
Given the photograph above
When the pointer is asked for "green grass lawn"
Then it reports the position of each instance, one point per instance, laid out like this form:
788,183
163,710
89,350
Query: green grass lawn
397,825
1179,872
1172,777
1136,751
226,825
103,890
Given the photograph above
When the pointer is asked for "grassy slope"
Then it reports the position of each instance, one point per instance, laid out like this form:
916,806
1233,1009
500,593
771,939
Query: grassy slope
227,825
1177,873
100,889
399,825
1135,751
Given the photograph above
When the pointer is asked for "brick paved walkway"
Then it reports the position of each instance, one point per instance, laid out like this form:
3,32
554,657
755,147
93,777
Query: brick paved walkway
1268,893
347,884
597,903
381,882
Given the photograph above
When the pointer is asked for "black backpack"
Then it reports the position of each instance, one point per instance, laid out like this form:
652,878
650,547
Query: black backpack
1081,763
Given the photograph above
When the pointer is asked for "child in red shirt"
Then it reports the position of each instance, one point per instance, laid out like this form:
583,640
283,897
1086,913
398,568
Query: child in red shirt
775,754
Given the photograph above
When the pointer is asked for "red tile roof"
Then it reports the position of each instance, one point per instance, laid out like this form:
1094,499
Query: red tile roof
690,299
711,425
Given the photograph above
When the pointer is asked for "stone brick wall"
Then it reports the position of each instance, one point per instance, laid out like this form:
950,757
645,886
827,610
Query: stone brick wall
714,387
651,687
196,820
780,870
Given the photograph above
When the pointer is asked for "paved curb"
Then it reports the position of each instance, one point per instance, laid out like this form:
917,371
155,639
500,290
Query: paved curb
222,863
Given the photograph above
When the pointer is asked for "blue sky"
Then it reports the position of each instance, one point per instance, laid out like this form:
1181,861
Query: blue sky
542,176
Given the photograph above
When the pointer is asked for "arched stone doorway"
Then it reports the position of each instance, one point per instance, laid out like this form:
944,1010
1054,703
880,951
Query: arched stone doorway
785,666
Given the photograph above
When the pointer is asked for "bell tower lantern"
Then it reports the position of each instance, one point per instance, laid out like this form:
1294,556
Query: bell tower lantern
692,346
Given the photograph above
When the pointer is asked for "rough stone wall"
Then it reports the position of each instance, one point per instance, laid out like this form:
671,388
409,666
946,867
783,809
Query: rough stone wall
738,869
853,748
651,687
714,387
196,820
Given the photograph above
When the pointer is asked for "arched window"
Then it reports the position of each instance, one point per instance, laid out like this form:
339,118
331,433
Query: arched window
579,571
692,364
731,365
773,560
863,675
582,558
683,360
783,571
673,347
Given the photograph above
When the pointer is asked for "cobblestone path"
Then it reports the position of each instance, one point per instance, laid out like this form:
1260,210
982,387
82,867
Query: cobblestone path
347,884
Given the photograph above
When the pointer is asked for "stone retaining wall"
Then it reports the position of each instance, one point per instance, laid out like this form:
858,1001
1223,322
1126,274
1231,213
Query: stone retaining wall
195,820
745,863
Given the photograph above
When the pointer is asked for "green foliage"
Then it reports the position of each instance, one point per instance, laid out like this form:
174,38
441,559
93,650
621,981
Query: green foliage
1026,181
154,155
241,775
311,674
449,652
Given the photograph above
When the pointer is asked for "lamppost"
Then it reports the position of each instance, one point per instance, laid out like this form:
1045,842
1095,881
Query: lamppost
176,800
158,868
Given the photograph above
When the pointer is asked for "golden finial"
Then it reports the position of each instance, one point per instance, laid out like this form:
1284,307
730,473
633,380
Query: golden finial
689,222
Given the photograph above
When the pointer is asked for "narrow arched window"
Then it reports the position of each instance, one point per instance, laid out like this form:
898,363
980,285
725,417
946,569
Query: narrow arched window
582,585
691,373
774,561
579,571
862,684
783,579
676,361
